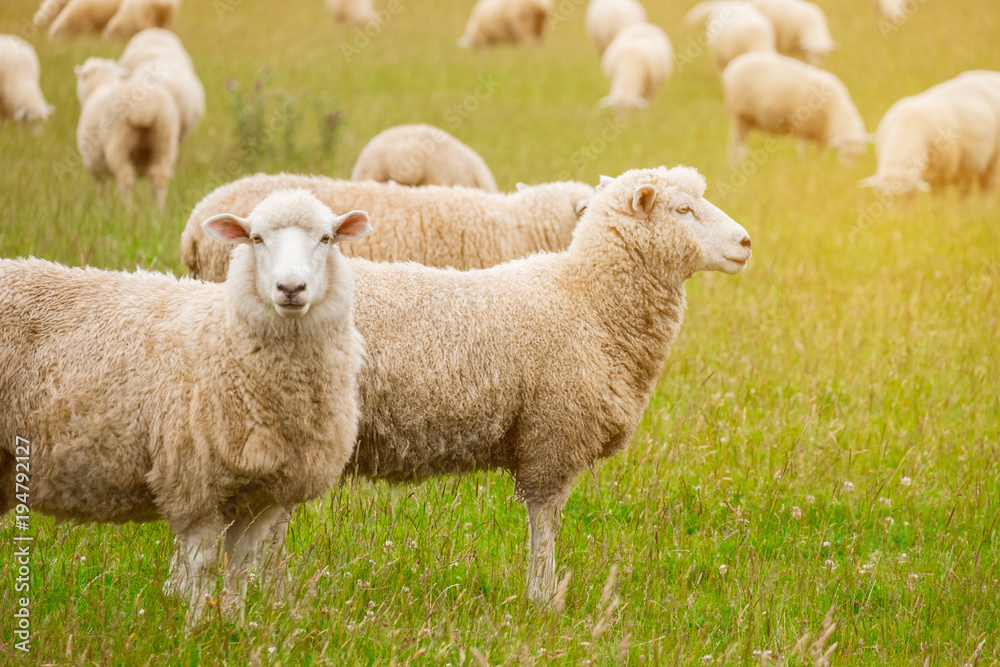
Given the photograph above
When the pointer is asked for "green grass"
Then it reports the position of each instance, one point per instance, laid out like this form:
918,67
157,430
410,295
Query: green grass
861,346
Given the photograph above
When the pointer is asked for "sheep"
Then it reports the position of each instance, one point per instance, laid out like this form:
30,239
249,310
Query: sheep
134,16
733,28
48,10
437,226
128,127
637,61
157,55
213,406
352,11
781,95
499,21
605,18
21,97
83,16
800,28
949,134
539,366
422,155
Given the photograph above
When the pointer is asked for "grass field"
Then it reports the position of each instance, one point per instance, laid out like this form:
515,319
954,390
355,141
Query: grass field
825,438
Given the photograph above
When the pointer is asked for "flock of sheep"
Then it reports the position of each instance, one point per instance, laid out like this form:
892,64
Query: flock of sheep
544,316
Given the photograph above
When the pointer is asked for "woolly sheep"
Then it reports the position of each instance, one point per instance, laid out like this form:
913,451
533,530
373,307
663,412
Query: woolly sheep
128,127
781,95
134,16
800,28
214,407
47,11
437,226
157,55
21,97
352,11
422,155
947,135
733,28
605,18
637,61
539,366
499,21
83,16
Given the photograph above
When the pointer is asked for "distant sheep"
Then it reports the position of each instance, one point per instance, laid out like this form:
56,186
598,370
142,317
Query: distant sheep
352,11
83,17
540,366
437,226
502,21
781,95
214,407
733,28
947,135
638,60
800,27
21,97
48,10
422,155
134,16
606,18
158,55
129,127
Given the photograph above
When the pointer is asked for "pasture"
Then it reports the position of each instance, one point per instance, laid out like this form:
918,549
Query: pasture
824,441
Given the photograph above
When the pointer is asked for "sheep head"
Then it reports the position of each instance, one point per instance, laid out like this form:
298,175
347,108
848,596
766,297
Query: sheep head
290,236
662,217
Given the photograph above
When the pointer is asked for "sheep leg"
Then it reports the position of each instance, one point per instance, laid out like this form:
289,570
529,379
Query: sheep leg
543,517
160,175
737,142
195,560
244,538
270,557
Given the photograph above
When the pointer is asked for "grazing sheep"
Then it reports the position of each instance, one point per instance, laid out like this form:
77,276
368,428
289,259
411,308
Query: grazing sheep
500,21
214,407
159,56
637,61
800,27
134,16
21,97
422,155
733,28
83,16
352,11
781,95
947,135
539,366
48,10
606,18
437,226
128,127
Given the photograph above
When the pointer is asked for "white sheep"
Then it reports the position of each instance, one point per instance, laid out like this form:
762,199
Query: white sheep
352,11
83,17
781,95
638,60
606,18
422,155
539,366
21,97
158,55
214,407
437,226
134,16
733,28
800,27
47,11
947,135
500,21
128,127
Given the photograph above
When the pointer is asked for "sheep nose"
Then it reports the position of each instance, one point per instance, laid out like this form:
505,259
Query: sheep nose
292,290
745,242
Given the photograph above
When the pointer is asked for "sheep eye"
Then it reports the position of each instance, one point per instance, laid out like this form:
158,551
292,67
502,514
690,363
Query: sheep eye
255,237
683,210
326,238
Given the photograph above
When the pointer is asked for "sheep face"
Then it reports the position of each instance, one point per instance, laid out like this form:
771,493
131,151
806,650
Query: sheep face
291,234
723,243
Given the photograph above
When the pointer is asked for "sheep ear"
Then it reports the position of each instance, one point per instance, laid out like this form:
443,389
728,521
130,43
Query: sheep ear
520,187
642,200
870,182
227,228
581,206
605,180
352,226
77,70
